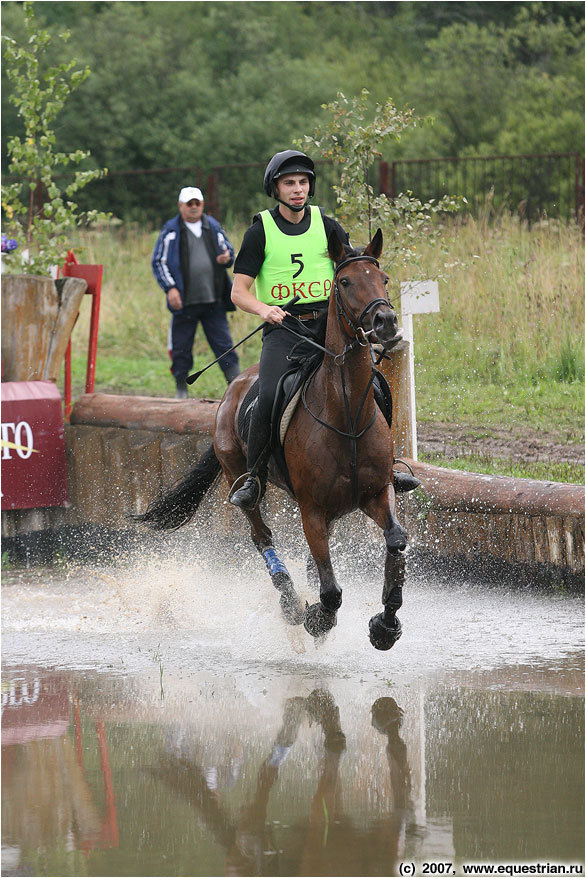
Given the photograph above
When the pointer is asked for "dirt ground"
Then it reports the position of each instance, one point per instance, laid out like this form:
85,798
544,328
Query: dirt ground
452,440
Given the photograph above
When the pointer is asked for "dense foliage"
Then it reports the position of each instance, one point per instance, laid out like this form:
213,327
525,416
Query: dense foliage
39,95
177,84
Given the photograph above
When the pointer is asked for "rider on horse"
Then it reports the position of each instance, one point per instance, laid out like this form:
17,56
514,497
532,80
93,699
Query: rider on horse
285,253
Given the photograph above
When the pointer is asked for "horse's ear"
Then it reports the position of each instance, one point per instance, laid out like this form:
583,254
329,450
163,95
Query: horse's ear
335,247
375,248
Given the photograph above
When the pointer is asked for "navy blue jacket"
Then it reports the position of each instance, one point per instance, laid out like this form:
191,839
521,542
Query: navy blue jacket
169,262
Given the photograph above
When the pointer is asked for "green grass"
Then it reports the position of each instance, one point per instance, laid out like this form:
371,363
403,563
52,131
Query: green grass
541,470
506,349
548,406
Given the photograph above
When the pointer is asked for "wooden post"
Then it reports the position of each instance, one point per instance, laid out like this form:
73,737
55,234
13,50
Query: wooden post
417,297
396,371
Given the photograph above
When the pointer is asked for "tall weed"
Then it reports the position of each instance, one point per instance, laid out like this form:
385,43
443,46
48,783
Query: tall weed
512,304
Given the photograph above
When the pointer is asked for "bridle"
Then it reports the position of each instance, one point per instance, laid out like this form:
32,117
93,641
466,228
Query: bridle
359,337
359,333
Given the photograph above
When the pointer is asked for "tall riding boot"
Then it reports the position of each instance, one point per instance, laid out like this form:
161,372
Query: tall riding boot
404,482
252,491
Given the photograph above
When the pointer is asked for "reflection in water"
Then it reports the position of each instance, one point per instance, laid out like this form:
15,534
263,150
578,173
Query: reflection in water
329,837
249,776
47,802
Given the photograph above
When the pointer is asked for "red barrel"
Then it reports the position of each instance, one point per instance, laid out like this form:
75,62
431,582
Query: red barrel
34,471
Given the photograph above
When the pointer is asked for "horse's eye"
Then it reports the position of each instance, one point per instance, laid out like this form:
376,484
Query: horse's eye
344,282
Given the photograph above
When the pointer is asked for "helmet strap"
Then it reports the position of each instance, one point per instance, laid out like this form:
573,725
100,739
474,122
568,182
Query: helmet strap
290,206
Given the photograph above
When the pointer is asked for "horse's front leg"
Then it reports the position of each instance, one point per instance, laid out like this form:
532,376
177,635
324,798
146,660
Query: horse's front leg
322,616
385,628
291,605
234,465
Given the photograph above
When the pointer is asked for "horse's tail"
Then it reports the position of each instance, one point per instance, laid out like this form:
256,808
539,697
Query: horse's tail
180,503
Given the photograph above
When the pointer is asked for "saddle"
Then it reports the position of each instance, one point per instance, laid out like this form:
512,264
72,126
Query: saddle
287,396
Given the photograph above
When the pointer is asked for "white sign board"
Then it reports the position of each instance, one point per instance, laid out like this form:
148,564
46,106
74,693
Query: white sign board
419,297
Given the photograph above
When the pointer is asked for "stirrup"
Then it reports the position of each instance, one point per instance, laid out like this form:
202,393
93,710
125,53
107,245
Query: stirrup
243,478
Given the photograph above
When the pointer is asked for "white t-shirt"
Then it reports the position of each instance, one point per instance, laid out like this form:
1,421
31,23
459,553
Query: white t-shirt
195,228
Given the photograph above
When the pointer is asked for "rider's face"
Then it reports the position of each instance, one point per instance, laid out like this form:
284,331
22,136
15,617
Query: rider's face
293,189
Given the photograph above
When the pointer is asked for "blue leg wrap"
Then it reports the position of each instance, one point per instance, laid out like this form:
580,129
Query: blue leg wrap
274,563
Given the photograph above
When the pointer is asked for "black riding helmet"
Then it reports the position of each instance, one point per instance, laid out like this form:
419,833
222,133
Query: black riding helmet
288,162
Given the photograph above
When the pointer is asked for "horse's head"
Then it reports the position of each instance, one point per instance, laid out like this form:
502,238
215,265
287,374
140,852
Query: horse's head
362,303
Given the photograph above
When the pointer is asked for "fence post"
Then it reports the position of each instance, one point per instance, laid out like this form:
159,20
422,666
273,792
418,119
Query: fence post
212,193
384,186
394,180
579,189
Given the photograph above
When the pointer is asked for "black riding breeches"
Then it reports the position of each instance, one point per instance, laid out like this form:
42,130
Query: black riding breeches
277,346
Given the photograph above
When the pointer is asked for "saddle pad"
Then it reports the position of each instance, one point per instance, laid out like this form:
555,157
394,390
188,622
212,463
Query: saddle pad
287,415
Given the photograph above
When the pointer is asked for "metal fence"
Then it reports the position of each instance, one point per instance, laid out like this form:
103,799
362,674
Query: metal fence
531,185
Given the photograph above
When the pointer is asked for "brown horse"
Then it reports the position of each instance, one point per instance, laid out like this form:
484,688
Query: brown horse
339,454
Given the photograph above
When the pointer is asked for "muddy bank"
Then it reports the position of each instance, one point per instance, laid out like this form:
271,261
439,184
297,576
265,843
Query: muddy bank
454,440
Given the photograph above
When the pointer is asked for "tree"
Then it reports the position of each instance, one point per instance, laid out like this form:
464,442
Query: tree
39,92
493,88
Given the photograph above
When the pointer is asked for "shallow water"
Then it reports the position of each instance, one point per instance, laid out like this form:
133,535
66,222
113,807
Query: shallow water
161,719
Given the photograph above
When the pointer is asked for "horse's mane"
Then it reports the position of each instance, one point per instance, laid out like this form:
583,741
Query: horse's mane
351,252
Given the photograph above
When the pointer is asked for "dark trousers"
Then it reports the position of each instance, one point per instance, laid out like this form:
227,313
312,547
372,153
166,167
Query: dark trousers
215,326
277,345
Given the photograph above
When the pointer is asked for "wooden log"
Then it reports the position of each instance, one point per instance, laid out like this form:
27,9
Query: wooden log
554,527
72,292
524,541
146,413
574,544
540,542
457,515
87,474
474,492
145,469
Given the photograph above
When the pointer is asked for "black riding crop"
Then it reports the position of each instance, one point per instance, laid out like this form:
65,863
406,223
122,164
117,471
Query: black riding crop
191,379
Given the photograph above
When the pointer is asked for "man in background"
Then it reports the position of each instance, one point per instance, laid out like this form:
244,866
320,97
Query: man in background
189,263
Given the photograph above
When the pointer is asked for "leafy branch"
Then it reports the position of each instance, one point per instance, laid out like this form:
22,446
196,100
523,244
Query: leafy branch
354,143
39,94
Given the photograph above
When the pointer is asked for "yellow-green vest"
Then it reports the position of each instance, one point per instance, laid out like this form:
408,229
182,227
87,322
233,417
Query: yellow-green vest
295,265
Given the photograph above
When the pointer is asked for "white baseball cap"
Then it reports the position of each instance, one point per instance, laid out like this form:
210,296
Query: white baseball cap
189,192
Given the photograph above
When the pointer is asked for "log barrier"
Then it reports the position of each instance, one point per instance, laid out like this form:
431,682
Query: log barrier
121,451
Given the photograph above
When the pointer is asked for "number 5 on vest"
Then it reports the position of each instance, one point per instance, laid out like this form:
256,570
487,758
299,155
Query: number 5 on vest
296,260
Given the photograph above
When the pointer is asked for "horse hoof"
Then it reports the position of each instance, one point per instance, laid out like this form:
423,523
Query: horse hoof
293,609
383,636
386,714
318,620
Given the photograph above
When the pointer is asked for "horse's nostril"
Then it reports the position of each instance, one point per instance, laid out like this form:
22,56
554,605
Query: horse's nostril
385,323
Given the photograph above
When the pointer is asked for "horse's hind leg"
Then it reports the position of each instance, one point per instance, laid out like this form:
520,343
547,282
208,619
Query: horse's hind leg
291,604
322,616
385,628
